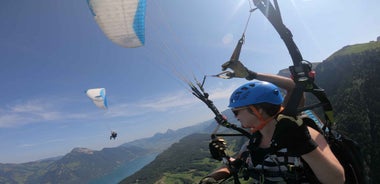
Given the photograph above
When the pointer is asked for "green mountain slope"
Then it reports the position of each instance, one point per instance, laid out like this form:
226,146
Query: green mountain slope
184,162
19,173
351,80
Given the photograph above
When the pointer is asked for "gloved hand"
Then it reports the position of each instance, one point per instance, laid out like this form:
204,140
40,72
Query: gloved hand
292,134
239,70
217,148
208,180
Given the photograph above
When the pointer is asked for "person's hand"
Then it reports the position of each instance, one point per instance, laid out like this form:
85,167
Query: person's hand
292,134
239,70
208,180
217,148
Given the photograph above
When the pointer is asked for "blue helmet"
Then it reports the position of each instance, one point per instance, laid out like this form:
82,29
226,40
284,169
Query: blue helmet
254,93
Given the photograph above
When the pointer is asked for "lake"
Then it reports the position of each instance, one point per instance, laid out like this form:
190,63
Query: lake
125,170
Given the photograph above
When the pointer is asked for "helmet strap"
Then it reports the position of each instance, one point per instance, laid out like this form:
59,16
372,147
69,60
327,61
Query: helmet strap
263,121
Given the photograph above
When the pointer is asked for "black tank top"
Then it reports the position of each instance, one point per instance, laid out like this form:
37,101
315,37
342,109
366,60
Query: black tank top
278,167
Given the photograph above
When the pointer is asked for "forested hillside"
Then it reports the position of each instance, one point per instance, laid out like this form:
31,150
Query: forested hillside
187,161
349,76
175,160
351,80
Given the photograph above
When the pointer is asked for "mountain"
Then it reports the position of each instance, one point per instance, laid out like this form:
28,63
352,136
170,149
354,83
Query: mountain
184,162
161,141
350,79
19,173
83,165
193,149
79,166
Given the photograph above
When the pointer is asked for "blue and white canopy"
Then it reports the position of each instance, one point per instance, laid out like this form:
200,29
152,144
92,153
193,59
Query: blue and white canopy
98,96
122,21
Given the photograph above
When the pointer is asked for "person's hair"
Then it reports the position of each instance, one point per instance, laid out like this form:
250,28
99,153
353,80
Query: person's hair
270,109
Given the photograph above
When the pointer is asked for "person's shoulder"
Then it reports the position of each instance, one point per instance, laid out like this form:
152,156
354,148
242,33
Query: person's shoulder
318,137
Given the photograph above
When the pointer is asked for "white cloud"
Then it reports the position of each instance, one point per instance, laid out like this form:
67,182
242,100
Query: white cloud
41,143
30,106
31,111
10,120
163,103
222,93
227,39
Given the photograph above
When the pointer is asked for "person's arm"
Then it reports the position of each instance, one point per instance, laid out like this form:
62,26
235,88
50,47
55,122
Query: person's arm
323,162
282,82
240,71
219,174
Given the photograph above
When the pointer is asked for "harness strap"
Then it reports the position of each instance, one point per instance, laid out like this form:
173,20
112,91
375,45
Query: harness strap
294,176
263,121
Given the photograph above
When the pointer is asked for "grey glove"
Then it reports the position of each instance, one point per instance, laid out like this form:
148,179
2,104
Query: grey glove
239,70
217,148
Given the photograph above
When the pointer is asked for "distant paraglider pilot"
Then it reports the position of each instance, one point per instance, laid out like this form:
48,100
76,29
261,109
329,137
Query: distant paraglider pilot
113,135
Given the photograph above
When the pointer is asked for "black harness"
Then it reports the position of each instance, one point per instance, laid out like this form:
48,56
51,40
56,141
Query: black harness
292,174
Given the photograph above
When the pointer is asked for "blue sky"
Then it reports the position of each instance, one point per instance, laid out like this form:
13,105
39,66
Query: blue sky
51,51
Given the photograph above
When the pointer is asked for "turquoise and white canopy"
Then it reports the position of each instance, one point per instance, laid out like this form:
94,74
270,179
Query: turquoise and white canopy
98,96
122,21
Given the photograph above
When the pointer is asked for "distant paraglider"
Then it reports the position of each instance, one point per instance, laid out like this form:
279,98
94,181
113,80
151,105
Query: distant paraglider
122,21
113,135
98,96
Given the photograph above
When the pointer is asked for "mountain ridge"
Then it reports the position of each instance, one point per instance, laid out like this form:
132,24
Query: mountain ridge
93,164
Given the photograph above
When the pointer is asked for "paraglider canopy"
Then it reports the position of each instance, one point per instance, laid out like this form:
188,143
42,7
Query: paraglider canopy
122,21
98,96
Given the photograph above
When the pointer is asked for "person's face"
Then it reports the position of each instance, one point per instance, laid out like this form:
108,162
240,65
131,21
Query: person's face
246,117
